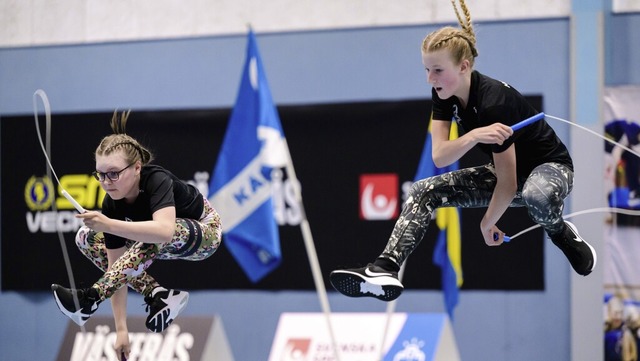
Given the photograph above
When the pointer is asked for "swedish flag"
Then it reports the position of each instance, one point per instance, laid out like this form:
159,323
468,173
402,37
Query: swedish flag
447,252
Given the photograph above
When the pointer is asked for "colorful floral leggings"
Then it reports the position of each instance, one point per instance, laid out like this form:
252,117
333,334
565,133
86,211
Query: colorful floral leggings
543,193
193,240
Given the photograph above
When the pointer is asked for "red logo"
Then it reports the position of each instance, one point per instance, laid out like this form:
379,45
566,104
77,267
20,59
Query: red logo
378,196
296,349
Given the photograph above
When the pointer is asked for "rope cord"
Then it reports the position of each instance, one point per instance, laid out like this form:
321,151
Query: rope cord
47,154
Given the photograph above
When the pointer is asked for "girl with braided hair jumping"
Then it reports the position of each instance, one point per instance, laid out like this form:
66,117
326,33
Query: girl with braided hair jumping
529,168
147,214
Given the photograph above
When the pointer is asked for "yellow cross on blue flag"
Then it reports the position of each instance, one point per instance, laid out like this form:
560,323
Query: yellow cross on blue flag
447,252
240,188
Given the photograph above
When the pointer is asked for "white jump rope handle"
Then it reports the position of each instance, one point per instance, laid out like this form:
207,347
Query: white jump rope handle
73,201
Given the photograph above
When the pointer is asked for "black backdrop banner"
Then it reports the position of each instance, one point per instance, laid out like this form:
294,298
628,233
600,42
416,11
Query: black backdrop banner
336,149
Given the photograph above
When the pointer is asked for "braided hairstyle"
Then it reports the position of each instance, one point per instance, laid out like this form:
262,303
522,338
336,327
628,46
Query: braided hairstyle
460,42
120,141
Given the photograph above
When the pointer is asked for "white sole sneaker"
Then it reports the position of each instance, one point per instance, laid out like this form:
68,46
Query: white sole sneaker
174,303
78,317
593,251
356,283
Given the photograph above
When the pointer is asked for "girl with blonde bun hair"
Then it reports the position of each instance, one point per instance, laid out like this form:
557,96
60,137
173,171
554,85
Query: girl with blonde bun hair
530,167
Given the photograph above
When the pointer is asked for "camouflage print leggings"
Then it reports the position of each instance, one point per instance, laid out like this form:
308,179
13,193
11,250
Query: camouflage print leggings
193,241
543,194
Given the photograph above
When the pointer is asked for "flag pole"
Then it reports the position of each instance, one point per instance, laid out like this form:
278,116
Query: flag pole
311,252
391,307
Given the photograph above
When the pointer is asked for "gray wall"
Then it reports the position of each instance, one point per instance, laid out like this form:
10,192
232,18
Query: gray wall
303,68
623,52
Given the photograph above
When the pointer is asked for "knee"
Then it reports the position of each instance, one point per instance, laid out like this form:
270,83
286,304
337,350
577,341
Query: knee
211,243
536,196
417,190
543,207
426,193
87,238
82,237
414,189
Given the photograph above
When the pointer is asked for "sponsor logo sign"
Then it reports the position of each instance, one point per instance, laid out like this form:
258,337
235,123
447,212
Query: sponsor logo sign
187,338
379,196
360,337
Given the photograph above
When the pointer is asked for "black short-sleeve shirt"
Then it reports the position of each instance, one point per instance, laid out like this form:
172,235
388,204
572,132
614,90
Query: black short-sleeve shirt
159,188
492,101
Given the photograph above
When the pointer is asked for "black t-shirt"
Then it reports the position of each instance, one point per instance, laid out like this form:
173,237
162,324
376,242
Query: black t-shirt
492,101
159,188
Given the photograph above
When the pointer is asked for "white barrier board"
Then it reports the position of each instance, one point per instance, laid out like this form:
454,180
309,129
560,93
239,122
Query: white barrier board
360,337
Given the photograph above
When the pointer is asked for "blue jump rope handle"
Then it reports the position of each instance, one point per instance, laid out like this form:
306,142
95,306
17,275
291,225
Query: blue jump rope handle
506,238
527,121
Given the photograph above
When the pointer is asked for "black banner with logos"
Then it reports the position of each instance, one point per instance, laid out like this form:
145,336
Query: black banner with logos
336,149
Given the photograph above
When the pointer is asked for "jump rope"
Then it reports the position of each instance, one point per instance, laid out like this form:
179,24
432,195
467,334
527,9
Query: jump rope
50,170
47,155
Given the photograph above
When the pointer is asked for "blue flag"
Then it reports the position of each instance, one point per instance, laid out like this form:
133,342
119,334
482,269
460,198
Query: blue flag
240,188
447,252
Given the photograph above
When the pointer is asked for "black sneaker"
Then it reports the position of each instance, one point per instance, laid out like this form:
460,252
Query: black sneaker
579,253
164,306
370,281
88,300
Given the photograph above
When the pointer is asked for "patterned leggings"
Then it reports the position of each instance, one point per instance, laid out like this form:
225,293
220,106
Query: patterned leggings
193,241
543,194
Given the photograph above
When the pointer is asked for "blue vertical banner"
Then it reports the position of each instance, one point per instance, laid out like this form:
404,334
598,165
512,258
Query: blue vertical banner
448,249
240,188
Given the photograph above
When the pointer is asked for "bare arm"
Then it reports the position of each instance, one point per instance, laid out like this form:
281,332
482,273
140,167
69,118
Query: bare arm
506,187
158,230
446,151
